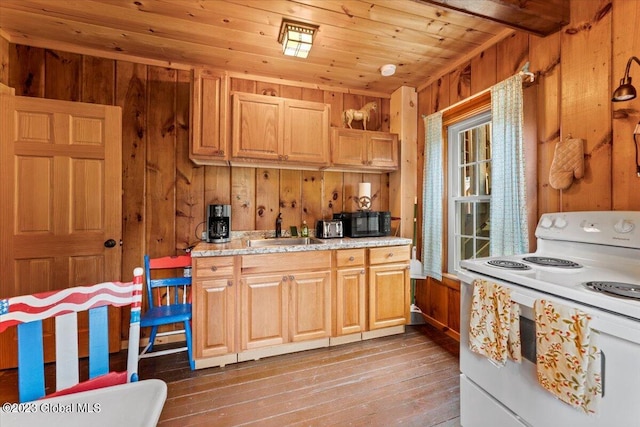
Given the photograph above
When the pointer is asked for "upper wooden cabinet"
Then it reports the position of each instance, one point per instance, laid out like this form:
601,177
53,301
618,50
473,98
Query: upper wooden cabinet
354,149
286,132
209,117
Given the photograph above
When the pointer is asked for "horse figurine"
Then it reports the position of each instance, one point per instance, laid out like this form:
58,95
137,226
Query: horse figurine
363,114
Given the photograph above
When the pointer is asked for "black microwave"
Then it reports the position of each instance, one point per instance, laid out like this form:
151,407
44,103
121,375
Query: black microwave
365,223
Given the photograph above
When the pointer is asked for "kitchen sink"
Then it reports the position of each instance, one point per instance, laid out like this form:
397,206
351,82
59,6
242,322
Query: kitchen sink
282,241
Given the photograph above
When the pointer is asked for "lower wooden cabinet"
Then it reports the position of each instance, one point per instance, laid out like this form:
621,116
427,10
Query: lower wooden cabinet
389,287
310,305
251,306
349,292
214,307
286,298
439,302
265,307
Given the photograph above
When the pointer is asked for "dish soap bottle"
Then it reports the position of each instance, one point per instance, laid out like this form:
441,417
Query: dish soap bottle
305,229
279,225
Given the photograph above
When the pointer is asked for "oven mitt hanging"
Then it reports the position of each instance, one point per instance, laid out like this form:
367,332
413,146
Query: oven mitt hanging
568,163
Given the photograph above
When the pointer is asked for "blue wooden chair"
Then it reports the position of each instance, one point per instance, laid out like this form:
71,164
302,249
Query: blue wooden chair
27,312
169,302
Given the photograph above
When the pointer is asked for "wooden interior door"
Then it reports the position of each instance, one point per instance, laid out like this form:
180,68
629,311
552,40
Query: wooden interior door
60,204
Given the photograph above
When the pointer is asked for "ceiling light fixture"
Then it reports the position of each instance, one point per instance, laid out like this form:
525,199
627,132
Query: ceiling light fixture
625,91
388,70
296,38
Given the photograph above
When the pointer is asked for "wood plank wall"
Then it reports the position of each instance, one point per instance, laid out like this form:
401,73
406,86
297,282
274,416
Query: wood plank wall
164,193
577,70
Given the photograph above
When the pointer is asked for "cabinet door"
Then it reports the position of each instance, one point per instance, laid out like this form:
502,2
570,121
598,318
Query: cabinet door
350,301
264,310
388,295
306,132
208,118
214,315
310,309
258,121
382,150
348,148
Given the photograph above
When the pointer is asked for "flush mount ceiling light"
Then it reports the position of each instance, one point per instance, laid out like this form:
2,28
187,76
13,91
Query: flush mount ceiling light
388,70
296,38
625,91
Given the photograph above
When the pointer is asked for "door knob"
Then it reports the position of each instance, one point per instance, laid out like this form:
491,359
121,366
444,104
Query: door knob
109,243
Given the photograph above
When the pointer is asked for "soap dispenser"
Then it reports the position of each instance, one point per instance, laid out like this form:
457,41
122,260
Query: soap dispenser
305,229
279,225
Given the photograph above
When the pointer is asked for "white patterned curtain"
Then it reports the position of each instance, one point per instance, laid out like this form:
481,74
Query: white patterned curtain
509,231
432,197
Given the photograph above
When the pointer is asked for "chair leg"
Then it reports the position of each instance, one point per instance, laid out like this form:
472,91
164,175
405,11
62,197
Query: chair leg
152,338
187,333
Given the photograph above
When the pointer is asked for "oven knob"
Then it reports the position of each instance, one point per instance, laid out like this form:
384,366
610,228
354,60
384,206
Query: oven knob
623,226
560,223
546,222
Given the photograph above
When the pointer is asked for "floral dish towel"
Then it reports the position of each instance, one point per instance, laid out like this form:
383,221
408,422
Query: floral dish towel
494,327
568,359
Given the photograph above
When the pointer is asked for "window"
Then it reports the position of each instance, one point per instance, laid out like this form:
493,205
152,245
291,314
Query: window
469,189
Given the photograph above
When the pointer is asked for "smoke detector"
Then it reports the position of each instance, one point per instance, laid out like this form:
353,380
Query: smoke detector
388,70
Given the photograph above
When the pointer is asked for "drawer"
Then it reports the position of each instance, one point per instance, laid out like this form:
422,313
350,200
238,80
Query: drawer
213,266
349,257
389,254
286,261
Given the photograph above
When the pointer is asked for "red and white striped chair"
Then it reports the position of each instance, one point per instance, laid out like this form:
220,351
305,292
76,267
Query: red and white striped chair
27,312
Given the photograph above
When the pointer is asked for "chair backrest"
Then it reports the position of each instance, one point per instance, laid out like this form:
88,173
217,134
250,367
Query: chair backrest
27,312
169,290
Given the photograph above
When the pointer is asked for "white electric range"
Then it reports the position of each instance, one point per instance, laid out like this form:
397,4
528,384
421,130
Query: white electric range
586,260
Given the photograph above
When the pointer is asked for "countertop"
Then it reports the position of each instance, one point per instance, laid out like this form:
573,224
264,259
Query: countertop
238,246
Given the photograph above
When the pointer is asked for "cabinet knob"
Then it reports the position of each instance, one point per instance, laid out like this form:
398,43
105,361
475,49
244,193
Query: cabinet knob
229,283
286,157
351,258
284,278
370,162
214,268
292,277
361,271
221,152
390,254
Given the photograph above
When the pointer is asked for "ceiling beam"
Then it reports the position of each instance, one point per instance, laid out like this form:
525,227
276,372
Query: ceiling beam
539,17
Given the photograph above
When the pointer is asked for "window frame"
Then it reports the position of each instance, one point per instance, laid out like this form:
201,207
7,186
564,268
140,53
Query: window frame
455,125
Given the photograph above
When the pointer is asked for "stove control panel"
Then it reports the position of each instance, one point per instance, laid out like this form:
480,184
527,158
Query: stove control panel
614,228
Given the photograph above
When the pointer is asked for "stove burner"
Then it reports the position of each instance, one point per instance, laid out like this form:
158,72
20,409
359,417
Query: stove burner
627,290
509,265
551,262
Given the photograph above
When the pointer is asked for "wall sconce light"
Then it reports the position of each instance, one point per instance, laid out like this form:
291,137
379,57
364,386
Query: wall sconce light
296,38
625,91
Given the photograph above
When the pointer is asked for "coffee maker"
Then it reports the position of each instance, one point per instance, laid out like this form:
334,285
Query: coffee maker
218,223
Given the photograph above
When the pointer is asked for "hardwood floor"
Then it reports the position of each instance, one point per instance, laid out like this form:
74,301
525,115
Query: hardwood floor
409,379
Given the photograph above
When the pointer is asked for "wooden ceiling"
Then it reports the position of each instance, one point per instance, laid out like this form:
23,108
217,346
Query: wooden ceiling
423,38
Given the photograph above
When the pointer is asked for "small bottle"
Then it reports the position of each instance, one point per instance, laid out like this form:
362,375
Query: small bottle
279,225
305,229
